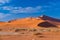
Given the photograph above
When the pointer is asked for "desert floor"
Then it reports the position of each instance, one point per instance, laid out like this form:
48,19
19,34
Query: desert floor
30,34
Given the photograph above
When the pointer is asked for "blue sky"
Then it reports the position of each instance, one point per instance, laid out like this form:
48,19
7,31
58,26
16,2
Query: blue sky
14,9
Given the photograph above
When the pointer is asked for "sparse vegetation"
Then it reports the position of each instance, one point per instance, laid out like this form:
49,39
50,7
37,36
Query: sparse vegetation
0,29
19,30
38,34
41,36
33,30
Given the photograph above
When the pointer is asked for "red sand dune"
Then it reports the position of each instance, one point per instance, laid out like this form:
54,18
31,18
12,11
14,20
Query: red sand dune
31,22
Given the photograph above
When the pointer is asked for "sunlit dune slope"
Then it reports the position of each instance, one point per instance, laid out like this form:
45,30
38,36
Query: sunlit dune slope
26,22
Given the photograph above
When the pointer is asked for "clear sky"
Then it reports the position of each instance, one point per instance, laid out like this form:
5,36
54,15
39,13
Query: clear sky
13,9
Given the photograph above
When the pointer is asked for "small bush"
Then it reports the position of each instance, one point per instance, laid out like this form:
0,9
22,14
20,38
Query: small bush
38,34
33,30
41,36
0,29
18,30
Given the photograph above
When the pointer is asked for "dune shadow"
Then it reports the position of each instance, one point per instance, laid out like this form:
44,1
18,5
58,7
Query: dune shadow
46,25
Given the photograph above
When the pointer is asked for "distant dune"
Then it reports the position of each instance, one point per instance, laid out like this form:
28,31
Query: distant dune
32,22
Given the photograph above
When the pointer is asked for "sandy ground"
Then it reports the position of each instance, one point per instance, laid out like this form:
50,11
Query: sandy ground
38,34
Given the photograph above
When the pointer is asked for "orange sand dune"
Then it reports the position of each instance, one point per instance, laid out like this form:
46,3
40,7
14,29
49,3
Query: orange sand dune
30,22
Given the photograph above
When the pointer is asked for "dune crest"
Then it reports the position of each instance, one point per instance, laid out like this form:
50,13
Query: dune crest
31,22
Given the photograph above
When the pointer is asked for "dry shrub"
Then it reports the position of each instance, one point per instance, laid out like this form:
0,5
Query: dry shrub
0,29
33,30
19,30
38,34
